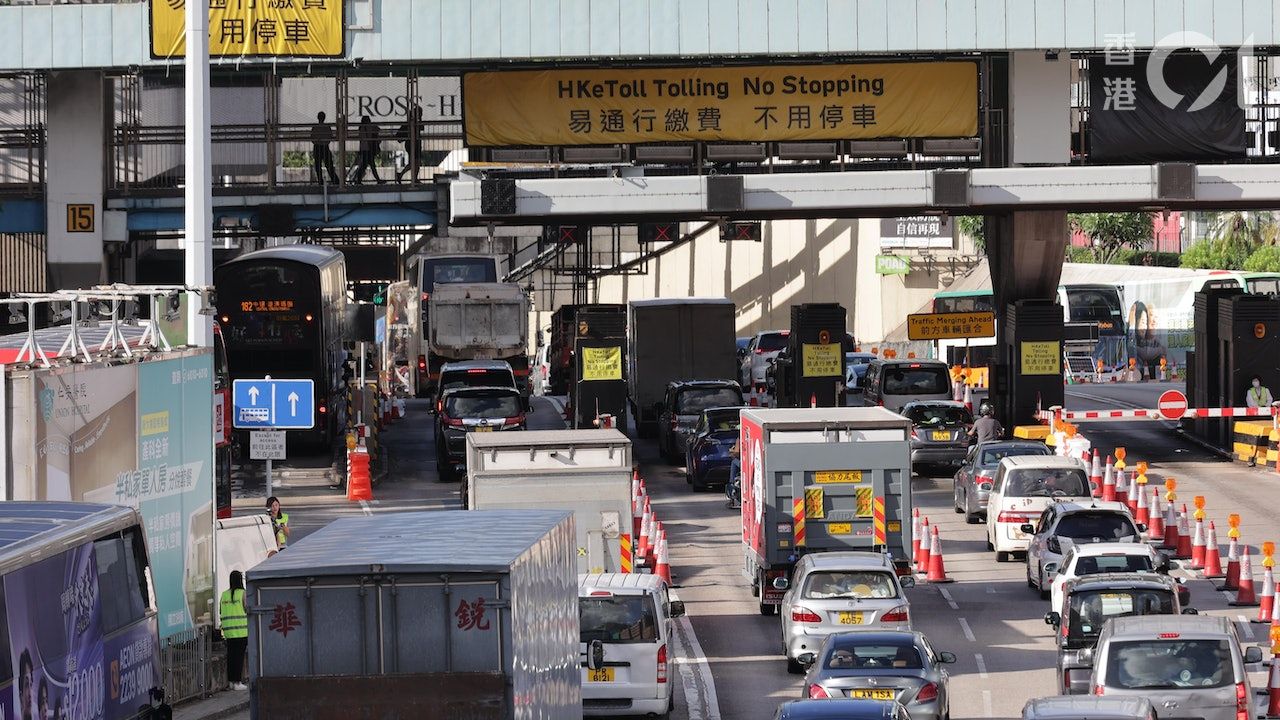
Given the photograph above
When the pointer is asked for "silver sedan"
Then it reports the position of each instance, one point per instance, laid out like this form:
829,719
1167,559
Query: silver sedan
892,665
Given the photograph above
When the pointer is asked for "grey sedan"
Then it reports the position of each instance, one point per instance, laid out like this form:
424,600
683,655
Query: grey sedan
897,665
939,432
972,482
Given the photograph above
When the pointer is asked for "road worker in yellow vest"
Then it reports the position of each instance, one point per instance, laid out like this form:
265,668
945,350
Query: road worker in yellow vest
235,629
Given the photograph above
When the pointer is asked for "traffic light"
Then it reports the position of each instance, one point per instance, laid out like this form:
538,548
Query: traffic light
348,368
740,231
380,295
657,232
565,234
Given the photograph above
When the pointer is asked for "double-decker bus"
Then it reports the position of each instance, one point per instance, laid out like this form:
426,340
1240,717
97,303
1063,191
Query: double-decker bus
78,629
284,314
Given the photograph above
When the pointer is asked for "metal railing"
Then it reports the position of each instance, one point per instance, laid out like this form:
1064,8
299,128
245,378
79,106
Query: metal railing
192,665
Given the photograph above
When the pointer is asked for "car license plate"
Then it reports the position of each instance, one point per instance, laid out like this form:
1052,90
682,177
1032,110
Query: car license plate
942,435
872,694
839,528
827,477
604,674
851,618
484,428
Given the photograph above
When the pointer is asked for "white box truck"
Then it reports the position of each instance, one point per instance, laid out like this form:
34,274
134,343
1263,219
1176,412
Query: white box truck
585,471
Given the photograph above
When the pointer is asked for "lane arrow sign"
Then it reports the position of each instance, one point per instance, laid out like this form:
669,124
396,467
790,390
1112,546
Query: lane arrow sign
293,403
253,394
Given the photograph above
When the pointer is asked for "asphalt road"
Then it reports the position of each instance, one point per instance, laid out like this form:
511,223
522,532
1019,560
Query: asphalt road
728,655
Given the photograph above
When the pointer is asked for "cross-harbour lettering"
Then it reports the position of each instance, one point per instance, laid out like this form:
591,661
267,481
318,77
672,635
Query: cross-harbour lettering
854,84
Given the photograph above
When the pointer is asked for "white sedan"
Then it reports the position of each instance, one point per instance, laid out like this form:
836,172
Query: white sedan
1097,558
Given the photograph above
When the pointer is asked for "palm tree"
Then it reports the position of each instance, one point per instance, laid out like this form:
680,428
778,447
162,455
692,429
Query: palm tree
1245,230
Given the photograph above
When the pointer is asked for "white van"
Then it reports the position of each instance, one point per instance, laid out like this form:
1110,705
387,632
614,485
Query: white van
625,621
1024,486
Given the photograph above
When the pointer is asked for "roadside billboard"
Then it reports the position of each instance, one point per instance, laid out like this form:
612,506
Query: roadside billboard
137,434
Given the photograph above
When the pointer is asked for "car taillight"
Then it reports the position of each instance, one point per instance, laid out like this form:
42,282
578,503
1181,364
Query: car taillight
915,435
1014,517
927,693
804,615
1242,702
896,615
511,422
759,351
422,362
817,693
322,409
662,664
453,422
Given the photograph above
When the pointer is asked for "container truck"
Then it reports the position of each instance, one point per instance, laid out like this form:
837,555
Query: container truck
677,339
420,615
585,471
817,480
478,321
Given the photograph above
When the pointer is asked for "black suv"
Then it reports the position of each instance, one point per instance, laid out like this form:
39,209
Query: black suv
683,404
472,409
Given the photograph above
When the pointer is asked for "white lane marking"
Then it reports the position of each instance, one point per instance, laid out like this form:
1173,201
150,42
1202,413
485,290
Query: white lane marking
986,704
982,665
991,590
695,671
950,600
1246,627
364,505
968,631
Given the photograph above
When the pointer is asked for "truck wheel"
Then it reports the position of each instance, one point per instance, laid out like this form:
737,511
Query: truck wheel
766,609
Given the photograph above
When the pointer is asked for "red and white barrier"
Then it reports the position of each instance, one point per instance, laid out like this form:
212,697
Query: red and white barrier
1085,415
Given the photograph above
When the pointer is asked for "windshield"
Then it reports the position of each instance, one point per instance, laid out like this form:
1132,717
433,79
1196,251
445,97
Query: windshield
1096,527
939,416
475,378
1168,664
482,406
1095,564
856,359
723,421
1046,482
1089,609
772,342
693,401
457,270
906,380
618,619
991,458
850,584
1093,304
873,657
972,303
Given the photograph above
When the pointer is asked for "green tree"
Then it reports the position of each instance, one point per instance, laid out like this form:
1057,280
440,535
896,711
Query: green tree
1110,233
1245,230
1264,259
1213,255
972,225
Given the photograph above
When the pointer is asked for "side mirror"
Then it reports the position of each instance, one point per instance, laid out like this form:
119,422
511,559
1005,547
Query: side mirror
1052,618
1142,527
675,608
1051,569
1252,655
1162,563
907,581
781,583
946,658
1190,611
1028,528
806,659
595,655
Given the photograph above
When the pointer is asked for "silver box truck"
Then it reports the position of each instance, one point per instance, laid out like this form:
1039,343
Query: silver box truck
676,339
820,479
421,615
585,471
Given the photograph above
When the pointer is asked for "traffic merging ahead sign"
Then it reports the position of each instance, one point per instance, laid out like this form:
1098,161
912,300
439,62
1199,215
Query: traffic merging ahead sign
270,404
945,326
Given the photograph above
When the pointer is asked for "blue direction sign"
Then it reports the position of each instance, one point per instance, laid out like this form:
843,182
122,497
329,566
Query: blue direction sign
273,404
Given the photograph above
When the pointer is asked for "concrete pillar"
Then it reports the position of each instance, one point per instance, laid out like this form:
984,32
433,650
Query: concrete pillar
1025,251
75,175
1040,107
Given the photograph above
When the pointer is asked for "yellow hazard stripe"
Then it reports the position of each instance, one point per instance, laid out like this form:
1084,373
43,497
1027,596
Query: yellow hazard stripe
624,560
797,514
878,514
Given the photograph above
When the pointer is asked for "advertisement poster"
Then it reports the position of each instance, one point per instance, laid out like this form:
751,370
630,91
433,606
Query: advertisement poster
137,435
61,663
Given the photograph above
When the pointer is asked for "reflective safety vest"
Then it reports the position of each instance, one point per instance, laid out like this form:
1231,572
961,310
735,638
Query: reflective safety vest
281,538
235,624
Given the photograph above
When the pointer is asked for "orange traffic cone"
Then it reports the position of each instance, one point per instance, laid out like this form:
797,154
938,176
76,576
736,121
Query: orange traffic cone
1095,474
1184,535
1109,482
1212,557
1132,499
1273,686
1232,579
1143,516
663,569
358,483
646,522
1198,546
968,397
1268,599
1245,597
915,533
1155,524
1122,485
655,532
1170,528
937,571
922,553
813,400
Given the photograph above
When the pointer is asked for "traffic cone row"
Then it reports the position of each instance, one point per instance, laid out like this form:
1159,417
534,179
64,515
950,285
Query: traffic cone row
650,546
359,480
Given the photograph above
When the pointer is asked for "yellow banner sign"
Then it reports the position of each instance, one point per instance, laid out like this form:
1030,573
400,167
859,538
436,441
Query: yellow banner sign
821,360
249,28
815,507
735,104
601,363
943,326
866,496
1042,358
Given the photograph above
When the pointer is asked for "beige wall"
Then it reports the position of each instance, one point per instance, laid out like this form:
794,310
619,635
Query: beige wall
798,261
